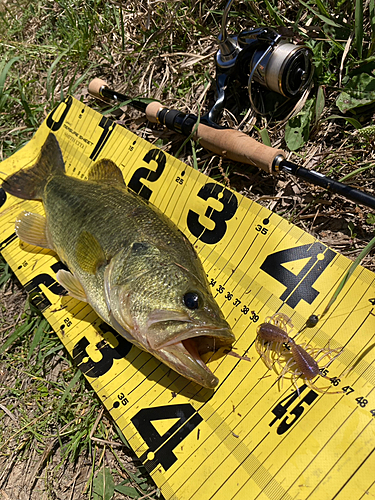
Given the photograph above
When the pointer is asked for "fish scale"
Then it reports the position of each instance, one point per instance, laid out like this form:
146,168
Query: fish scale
248,439
109,220
126,259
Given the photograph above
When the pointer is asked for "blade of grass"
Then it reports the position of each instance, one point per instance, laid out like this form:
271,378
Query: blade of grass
130,491
30,118
121,435
76,83
191,135
103,485
264,135
122,26
5,274
28,424
320,103
273,13
345,53
3,76
359,26
18,332
37,336
70,386
356,172
5,71
349,119
50,85
351,270
371,8
323,18
322,8
54,349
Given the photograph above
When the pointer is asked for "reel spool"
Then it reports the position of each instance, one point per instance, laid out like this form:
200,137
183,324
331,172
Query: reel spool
262,62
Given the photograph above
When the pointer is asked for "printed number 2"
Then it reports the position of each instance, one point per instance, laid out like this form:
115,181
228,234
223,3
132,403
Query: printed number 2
220,218
299,286
145,173
160,448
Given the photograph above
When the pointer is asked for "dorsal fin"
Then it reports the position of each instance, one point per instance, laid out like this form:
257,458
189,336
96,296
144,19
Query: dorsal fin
106,171
29,183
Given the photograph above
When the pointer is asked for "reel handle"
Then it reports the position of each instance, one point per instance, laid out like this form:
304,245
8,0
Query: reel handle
229,143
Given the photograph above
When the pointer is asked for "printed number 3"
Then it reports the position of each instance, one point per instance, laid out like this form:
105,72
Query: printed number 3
220,218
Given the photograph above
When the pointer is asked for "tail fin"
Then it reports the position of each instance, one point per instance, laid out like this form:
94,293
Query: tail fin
29,183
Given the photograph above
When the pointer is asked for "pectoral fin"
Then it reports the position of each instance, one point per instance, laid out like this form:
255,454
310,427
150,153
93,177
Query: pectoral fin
71,284
89,253
32,229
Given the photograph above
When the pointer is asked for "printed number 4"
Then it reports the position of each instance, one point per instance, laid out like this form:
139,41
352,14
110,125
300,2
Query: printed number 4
160,447
298,286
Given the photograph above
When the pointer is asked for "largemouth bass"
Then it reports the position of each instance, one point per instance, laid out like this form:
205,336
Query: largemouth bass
126,259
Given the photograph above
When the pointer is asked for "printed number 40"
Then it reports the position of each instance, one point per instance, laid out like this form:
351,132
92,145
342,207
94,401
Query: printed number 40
298,286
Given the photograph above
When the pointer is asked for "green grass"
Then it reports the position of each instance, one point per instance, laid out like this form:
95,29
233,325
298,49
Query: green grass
51,406
50,49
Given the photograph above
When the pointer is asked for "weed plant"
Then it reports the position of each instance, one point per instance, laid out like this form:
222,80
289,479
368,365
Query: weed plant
51,440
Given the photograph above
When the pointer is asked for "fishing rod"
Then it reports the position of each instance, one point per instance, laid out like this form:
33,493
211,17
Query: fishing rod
229,143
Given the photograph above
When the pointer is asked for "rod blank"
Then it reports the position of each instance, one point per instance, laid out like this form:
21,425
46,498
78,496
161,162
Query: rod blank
230,143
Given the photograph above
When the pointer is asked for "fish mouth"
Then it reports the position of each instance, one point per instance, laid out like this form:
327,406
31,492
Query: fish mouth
185,355
183,352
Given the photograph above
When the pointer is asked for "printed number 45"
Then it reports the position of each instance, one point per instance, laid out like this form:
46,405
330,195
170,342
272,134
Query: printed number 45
281,409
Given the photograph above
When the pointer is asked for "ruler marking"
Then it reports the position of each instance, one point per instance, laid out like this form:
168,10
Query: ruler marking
202,410
340,458
368,490
326,443
196,185
270,300
312,460
230,243
308,435
238,467
249,411
354,473
186,189
171,170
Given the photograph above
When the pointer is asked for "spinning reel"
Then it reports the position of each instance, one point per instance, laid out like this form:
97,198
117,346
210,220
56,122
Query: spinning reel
260,66
270,69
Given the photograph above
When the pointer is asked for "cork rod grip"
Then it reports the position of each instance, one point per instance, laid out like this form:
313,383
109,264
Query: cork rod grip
237,146
95,87
229,143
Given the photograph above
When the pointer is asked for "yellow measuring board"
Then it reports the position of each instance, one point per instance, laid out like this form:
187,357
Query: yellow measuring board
252,437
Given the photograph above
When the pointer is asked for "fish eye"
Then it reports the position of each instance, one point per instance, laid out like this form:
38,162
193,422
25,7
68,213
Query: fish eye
191,300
